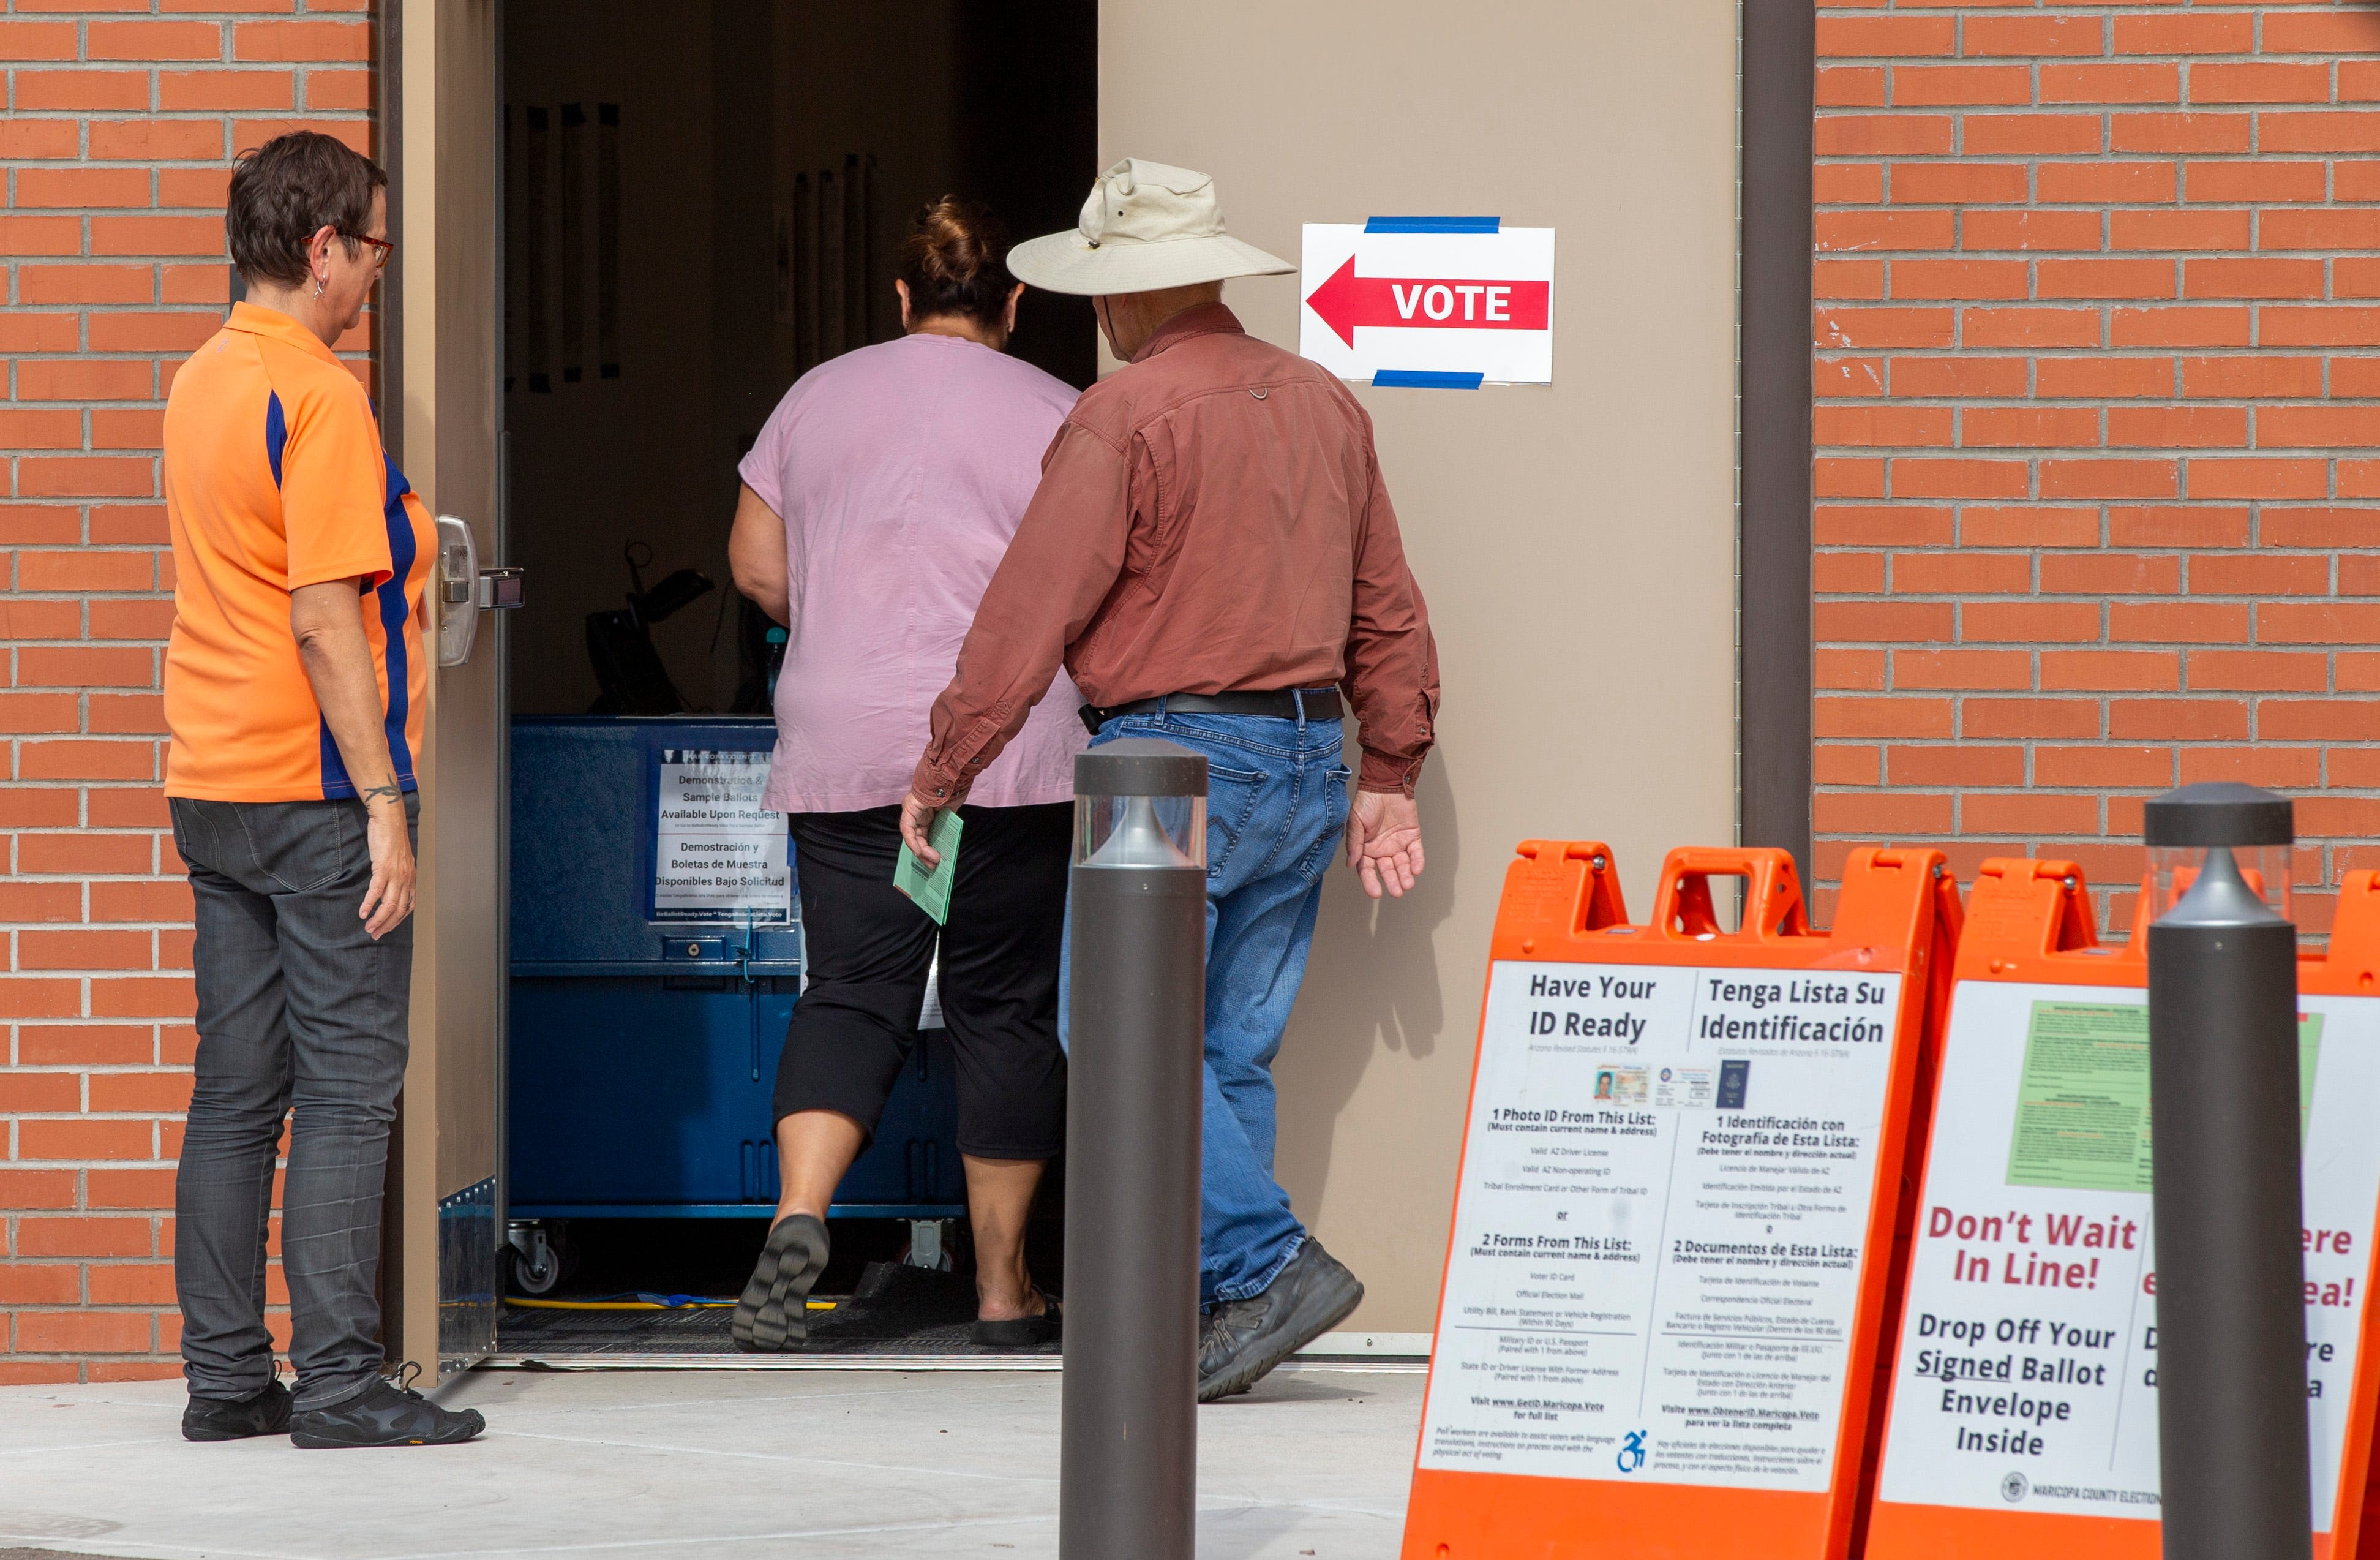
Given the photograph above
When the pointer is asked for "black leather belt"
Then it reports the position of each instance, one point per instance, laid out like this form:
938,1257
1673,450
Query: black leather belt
1319,705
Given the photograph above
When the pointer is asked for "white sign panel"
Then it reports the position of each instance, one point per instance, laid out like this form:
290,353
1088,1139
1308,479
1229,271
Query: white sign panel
2026,1375
718,854
1666,1191
1422,301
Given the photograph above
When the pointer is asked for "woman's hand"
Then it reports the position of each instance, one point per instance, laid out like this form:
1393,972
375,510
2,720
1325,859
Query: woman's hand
327,622
389,899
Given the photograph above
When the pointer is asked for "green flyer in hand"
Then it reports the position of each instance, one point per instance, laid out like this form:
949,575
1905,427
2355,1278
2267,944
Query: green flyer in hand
931,890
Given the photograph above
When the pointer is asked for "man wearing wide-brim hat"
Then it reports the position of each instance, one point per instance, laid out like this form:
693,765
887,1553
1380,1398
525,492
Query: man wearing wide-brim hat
1212,556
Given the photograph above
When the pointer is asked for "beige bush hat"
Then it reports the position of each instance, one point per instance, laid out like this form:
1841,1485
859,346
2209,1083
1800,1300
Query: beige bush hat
1145,225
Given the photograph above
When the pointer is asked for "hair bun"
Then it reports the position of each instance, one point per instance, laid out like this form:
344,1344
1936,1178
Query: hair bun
955,261
955,249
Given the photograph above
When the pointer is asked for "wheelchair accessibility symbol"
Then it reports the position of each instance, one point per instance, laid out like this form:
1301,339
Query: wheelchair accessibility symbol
1631,1452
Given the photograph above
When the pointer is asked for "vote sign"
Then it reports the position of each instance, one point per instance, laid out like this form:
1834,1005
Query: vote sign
1452,302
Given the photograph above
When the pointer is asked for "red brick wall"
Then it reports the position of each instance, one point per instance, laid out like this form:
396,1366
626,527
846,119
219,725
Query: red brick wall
2099,291
121,115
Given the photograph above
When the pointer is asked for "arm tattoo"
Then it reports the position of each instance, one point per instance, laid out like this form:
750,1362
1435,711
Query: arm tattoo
381,793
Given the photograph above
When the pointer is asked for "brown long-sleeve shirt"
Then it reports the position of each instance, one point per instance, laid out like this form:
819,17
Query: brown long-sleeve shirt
1210,519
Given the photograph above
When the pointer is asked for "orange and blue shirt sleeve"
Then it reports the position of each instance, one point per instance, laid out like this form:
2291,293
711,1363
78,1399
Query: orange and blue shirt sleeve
326,459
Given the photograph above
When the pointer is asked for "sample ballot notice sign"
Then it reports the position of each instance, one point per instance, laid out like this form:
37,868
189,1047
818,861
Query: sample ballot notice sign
1655,1273
2026,1375
718,854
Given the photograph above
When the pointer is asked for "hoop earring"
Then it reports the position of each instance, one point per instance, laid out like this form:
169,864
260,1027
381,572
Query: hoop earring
318,287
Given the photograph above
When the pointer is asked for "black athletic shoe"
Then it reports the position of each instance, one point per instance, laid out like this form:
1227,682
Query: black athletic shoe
384,1414
1241,1340
1020,1331
773,1315
226,1419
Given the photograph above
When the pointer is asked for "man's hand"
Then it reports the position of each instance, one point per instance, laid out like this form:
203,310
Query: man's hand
1384,842
389,898
916,821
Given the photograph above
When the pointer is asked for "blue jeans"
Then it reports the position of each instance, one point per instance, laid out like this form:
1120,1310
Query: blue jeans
1276,807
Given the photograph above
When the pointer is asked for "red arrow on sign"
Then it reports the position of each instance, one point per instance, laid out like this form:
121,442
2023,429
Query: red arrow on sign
1347,300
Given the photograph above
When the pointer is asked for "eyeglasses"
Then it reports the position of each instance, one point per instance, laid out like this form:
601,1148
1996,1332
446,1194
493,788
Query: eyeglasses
382,248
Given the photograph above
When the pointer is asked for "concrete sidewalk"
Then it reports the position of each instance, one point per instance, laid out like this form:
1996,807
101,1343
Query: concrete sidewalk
672,1466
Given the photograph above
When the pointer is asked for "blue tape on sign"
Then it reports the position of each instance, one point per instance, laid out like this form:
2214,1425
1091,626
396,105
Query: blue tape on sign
1424,379
1434,224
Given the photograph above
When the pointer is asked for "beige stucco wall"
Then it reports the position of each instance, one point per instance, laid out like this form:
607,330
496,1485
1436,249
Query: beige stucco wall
1576,542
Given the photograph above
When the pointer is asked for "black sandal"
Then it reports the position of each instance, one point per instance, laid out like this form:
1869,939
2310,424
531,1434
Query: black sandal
1021,1331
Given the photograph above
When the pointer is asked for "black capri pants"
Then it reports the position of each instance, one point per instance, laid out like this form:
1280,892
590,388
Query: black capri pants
868,949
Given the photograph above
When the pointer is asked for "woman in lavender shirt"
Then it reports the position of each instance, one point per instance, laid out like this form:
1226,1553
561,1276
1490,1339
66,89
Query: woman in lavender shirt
876,504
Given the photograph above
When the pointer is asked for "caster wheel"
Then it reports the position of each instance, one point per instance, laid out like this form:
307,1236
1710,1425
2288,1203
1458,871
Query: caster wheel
539,1263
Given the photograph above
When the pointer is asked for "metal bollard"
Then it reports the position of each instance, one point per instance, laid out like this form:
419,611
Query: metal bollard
1128,1454
2223,1102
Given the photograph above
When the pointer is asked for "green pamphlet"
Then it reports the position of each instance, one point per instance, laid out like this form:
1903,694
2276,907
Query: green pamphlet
931,890
2082,1109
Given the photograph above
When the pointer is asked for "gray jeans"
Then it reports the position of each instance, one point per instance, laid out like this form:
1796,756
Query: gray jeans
297,1007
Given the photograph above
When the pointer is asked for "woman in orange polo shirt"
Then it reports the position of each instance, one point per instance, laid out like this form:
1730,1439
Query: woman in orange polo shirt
295,682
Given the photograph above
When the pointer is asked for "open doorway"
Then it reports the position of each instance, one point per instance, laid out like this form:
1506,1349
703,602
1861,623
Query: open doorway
701,202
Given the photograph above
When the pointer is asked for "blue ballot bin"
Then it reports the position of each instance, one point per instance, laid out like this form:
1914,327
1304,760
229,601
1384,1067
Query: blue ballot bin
656,957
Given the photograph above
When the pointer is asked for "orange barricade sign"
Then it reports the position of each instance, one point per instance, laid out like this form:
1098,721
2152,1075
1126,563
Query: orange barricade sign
1667,1277
2023,1416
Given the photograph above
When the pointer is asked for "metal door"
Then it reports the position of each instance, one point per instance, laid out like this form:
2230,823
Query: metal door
441,138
